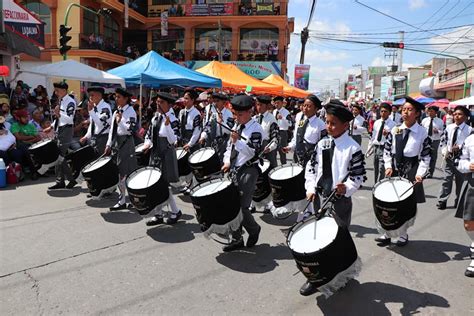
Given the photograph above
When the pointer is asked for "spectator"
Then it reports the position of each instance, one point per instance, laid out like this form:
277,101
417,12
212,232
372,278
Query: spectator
448,118
181,55
81,124
92,40
226,55
5,110
25,132
46,131
174,55
18,99
172,10
37,118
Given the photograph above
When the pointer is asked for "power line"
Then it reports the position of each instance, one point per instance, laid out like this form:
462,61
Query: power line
447,1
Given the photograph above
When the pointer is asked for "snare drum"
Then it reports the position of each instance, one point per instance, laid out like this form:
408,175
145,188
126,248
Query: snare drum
392,210
217,205
204,162
44,152
142,157
330,256
79,158
262,188
147,188
101,175
183,163
287,183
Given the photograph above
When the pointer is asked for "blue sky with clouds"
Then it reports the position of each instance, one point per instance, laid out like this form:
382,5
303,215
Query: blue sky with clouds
331,60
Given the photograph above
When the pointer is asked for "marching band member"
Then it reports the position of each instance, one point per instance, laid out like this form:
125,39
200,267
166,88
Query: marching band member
163,135
451,143
465,208
63,126
434,126
382,128
407,154
270,129
100,115
356,126
121,139
395,116
241,159
333,158
285,122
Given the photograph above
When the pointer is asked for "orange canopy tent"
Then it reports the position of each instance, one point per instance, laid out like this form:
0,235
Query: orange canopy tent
288,90
234,78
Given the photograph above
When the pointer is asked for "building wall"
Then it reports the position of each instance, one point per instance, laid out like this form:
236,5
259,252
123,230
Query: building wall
415,75
450,64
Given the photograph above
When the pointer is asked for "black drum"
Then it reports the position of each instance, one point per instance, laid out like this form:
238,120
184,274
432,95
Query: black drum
287,183
79,158
101,175
204,162
391,208
217,202
183,162
44,152
322,258
147,188
142,158
262,188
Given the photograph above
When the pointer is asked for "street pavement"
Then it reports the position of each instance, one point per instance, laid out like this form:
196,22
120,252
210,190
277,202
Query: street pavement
64,254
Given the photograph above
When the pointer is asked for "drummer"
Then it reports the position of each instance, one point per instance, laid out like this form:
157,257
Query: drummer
121,140
407,154
241,159
285,122
327,170
100,115
356,127
63,126
162,137
435,127
270,128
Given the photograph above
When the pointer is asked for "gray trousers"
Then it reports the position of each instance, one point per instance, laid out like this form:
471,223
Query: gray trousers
272,157
343,209
100,143
247,179
434,155
450,172
283,143
62,169
379,166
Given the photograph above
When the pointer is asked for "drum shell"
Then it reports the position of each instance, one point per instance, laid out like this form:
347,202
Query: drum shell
262,187
45,154
183,164
321,266
142,158
146,199
392,215
101,178
219,208
203,169
79,158
287,190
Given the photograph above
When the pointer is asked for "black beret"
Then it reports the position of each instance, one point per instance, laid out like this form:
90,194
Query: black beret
278,98
357,106
192,93
463,109
386,106
339,111
419,106
315,100
265,99
242,102
336,102
166,96
96,89
219,96
123,92
433,107
300,100
61,85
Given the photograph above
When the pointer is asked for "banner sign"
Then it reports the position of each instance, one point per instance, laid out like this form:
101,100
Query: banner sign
257,46
378,70
257,69
386,89
264,9
164,23
209,9
302,76
23,22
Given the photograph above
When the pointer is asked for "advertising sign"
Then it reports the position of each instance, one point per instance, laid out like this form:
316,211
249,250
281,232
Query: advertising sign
382,70
302,76
22,22
265,9
386,89
164,23
209,9
256,46
257,69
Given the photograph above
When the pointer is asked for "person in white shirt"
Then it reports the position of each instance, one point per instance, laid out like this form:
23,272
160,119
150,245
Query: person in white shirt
395,116
100,115
434,126
269,125
162,137
190,122
241,159
285,122
451,147
407,154
382,128
356,126
63,126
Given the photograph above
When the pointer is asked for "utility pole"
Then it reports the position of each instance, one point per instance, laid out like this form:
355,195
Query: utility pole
400,52
304,40
219,40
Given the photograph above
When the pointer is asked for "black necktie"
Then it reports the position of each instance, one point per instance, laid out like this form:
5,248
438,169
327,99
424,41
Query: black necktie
455,137
260,119
379,135
302,130
351,128
405,138
156,129
393,116
185,121
325,182
430,128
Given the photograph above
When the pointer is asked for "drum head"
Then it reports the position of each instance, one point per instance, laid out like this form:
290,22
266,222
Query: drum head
41,143
201,155
286,172
389,189
180,153
210,187
143,178
99,163
265,166
301,238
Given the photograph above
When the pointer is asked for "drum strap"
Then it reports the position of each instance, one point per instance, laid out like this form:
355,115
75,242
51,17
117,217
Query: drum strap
380,133
233,152
325,182
400,145
184,121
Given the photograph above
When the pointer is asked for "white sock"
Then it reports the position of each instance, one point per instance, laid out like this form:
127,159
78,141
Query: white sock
470,233
172,204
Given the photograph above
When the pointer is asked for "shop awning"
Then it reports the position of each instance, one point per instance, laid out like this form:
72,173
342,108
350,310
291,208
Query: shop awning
21,22
18,44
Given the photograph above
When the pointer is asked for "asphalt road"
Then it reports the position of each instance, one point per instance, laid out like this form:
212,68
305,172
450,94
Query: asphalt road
64,254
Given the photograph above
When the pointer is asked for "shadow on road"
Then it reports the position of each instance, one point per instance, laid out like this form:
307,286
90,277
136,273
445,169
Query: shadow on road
432,251
121,217
185,198
64,193
259,259
179,232
370,299
362,230
269,219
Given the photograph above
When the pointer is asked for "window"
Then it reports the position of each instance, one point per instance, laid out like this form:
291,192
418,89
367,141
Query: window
90,23
209,39
175,39
42,11
111,31
258,41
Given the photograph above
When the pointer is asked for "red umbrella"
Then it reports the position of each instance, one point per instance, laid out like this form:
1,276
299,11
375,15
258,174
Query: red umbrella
441,103
4,71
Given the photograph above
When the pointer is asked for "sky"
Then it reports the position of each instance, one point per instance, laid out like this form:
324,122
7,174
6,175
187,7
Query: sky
332,60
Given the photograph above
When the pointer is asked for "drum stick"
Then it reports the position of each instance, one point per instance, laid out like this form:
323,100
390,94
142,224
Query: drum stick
181,154
413,185
231,130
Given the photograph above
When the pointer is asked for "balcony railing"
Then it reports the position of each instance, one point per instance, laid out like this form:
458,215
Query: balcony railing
107,44
218,9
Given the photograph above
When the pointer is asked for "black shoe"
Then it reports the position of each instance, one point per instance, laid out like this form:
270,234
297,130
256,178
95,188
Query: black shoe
266,210
155,220
308,288
234,245
58,185
174,219
252,240
441,205
71,184
118,207
89,195
252,209
469,273
402,241
383,241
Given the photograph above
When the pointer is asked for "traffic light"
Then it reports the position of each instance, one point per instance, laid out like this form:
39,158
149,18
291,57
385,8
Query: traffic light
63,39
393,45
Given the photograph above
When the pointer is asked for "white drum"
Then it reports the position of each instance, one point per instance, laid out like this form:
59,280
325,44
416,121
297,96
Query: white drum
287,183
147,189
204,162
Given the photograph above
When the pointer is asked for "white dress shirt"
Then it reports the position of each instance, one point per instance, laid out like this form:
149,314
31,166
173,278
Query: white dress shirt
169,131
67,109
357,125
389,124
126,124
246,149
270,128
467,156
438,127
212,118
193,123
462,133
101,115
7,140
285,122
396,117
315,130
